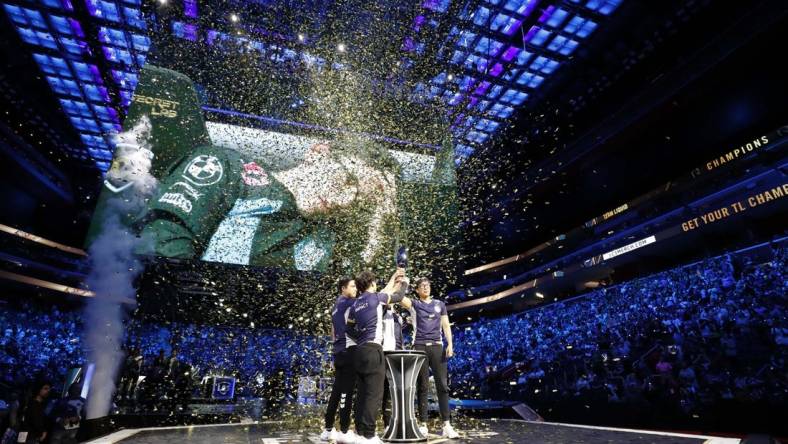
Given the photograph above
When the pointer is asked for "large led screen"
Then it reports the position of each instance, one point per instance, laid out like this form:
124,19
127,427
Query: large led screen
219,186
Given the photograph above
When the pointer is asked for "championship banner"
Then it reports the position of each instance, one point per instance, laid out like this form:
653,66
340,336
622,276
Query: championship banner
728,158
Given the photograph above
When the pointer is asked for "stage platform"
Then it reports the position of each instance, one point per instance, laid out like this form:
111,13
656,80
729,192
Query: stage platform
489,431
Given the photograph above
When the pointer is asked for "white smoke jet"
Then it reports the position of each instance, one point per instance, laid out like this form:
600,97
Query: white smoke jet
114,266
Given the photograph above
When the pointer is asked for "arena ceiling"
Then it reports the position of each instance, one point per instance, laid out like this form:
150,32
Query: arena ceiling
479,62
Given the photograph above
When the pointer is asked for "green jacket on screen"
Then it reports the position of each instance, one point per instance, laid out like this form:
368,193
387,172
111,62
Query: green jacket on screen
215,205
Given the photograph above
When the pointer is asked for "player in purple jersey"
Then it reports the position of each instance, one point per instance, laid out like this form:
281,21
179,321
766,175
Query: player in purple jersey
344,373
430,327
365,329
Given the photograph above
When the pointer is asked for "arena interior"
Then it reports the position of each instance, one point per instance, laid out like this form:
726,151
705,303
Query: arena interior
472,221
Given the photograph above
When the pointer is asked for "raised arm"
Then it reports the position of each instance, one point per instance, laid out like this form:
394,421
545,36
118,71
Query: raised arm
393,284
399,295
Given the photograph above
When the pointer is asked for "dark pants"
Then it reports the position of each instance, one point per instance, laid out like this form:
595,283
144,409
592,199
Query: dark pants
370,371
130,386
436,360
342,390
386,403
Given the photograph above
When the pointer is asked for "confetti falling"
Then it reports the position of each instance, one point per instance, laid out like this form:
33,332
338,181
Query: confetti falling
328,153
277,177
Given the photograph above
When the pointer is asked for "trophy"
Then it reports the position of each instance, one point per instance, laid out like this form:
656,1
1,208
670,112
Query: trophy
402,257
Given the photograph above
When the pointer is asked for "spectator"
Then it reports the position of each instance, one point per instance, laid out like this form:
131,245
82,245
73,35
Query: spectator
703,320
14,416
676,330
66,416
35,423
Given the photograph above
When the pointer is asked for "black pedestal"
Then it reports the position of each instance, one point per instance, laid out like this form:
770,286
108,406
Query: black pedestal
402,371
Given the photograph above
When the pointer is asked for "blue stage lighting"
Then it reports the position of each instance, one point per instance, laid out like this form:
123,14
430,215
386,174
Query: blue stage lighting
530,80
537,36
544,65
562,45
556,17
488,47
481,16
523,57
501,111
522,7
580,26
494,92
134,17
604,7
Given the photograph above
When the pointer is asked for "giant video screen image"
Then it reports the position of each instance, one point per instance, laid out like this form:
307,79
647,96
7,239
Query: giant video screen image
223,188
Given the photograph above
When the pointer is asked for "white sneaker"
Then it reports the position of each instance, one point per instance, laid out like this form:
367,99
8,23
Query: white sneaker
449,432
373,440
423,430
329,435
347,438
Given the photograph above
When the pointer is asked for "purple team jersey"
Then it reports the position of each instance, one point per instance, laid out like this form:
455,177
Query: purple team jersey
426,319
366,318
339,320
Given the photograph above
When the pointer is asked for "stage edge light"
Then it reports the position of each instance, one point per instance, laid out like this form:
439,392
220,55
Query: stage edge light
46,284
41,240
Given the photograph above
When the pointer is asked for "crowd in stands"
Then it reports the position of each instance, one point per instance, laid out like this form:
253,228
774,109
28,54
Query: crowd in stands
34,340
679,343
254,357
39,343
48,343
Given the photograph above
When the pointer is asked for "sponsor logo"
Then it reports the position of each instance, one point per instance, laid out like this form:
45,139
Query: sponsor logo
254,175
437,308
614,212
342,400
158,107
223,388
188,189
203,170
177,200
627,248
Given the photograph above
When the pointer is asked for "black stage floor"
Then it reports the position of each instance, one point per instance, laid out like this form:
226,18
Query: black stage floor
472,431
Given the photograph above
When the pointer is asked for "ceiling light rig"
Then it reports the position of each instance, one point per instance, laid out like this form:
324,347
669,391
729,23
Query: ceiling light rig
497,55
93,101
